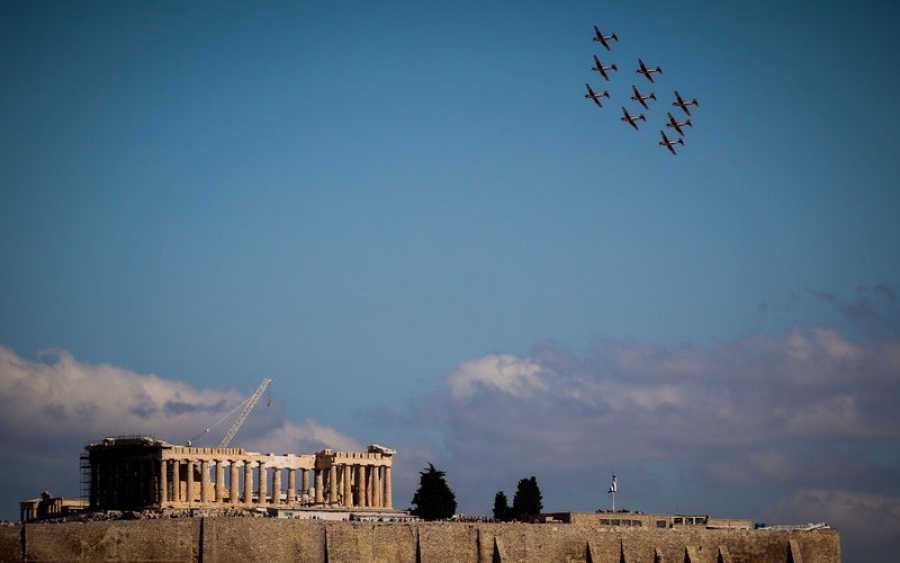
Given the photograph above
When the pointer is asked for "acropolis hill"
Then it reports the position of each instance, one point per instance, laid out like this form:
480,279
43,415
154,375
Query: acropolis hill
154,501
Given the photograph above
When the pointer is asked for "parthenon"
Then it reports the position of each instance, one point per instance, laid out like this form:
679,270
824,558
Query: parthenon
139,473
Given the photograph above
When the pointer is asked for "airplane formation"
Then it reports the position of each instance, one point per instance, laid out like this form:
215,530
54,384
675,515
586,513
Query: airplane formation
641,98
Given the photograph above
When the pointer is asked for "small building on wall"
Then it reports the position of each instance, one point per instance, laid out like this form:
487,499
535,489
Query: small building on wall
48,506
140,473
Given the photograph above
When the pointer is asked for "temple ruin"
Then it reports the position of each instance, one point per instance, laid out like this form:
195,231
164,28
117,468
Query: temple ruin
141,473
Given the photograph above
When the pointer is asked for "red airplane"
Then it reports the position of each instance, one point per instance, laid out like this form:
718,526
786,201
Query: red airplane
683,104
677,126
631,119
668,144
598,66
640,98
594,96
603,38
647,71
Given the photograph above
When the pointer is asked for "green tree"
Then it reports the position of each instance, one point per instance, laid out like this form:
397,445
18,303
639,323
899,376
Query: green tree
434,500
501,506
527,499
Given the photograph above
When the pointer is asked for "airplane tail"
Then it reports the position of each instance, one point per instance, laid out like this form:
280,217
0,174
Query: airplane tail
652,95
680,141
614,67
659,69
614,36
688,122
696,103
643,117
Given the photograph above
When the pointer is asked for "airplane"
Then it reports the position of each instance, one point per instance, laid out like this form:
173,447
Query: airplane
646,71
595,96
631,118
639,98
598,66
668,144
602,38
683,104
677,126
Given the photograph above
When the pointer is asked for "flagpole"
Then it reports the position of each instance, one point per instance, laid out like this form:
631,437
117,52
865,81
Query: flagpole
613,489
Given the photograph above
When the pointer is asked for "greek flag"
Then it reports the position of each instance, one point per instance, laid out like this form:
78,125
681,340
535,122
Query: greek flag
614,487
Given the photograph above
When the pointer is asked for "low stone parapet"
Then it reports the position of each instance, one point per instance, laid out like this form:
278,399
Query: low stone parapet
274,540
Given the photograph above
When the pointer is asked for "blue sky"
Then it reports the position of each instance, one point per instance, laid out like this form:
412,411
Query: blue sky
407,215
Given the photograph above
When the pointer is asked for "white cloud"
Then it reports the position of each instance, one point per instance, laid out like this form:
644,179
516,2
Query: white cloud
502,372
66,397
307,437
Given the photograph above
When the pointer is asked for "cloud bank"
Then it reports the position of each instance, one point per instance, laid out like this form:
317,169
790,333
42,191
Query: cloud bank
796,428
801,427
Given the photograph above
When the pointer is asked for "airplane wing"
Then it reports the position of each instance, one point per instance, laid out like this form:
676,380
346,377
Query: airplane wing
629,119
667,143
674,124
592,95
637,96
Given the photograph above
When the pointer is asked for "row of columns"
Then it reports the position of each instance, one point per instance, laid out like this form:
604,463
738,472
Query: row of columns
347,485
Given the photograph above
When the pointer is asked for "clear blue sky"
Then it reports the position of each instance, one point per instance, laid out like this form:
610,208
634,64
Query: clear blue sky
384,206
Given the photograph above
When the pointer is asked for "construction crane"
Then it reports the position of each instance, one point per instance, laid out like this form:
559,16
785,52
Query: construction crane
249,402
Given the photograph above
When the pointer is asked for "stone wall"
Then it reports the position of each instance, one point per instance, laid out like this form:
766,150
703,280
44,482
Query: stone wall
10,543
226,540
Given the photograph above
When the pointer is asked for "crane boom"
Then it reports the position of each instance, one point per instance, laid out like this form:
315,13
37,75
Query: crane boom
240,419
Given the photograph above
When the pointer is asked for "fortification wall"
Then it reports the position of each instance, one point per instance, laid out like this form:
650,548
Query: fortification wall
10,543
226,540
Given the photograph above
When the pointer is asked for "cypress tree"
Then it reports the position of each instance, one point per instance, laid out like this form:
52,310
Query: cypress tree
434,500
501,506
527,499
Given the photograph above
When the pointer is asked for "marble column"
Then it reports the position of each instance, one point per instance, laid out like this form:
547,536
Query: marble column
388,493
291,496
163,482
233,486
190,481
204,478
176,480
220,480
263,483
348,489
248,482
332,484
319,485
304,486
360,497
276,485
376,486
